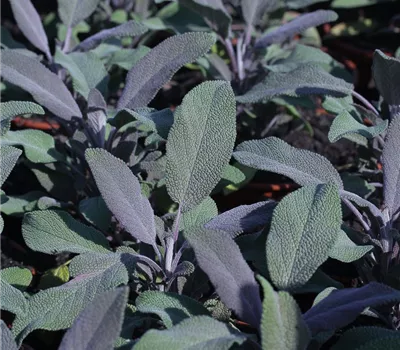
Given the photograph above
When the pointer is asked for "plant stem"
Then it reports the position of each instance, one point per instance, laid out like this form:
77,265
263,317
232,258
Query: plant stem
176,224
239,58
357,214
169,254
366,102
67,41
231,54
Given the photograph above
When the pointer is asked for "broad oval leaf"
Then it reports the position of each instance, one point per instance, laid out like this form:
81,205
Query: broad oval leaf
12,299
29,23
200,142
275,155
45,87
298,25
282,326
159,65
199,215
170,307
72,12
220,258
99,324
121,191
345,250
96,212
18,277
304,228
8,159
6,337
198,332
52,232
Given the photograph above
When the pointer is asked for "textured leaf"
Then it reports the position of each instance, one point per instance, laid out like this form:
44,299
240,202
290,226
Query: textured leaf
170,307
12,299
304,228
96,212
17,277
29,23
253,10
8,159
308,79
344,125
12,109
72,12
341,307
6,338
39,147
98,326
18,205
56,308
200,214
245,218
220,258
151,72
391,168
45,87
275,155
298,25
386,71
52,232
130,29
199,148
282,326
214,13
356,3
54,277
127,58
345,250
199,332
97,117
121,192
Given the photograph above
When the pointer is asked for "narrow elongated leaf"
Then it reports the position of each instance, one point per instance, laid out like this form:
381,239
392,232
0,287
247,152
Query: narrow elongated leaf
220,258
214,12
391,167
130,28
52,232
298,25
308,79
199,148
39,147
304,228
345,250
341,307
121,191
8,159
273,154
6,337
12,109
98,326
29,23
159,65
245,218
45,87
282,326
56,308
72,12
199,332
253,10
170,307
12,299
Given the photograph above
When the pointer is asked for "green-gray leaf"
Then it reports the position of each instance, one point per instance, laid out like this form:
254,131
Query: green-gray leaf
18,277
275,155
8,159
151,73
45,87
170,307
195,333
304,229
72,12
345,250
52,232
12,299
6,337
96,212
121,191
200,142
200,214
282,326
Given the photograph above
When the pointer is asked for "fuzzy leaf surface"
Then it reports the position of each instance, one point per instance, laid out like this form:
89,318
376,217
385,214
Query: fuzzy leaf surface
308,79
220,258
170,307
121,191
200,214
6,337
159,65
72,12
345,250
244,218
341,307
18,277
52,232
304,228
130,28
8,159
282,326
200,142
198,332
30,24
98,326
96,212
12,299
275,155
298,25
253,10
45,87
